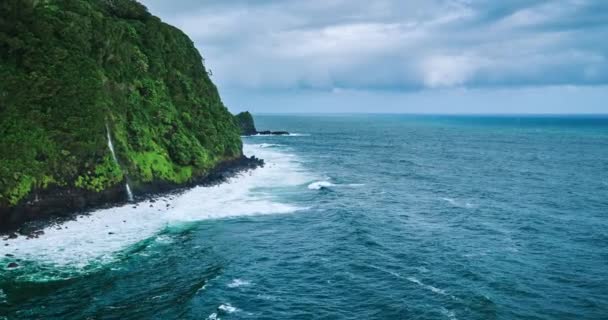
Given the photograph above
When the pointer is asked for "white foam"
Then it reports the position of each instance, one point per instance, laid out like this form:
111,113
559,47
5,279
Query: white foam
449,200
426,286
448,313
270,145
96,237
459,204
318,185
227,308
236,283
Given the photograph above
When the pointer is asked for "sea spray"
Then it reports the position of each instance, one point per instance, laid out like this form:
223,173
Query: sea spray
111,147
98,237
390,249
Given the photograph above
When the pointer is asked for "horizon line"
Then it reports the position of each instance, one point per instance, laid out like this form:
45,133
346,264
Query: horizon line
556,114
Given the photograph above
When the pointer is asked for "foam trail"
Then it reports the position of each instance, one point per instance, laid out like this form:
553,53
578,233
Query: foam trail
318,185
270,145
238,283
453,202
98,236
426,286
228,308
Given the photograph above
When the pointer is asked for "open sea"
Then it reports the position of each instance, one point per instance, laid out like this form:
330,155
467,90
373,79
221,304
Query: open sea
353,217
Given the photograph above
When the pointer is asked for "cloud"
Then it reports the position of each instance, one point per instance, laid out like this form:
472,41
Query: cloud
337,45
448,71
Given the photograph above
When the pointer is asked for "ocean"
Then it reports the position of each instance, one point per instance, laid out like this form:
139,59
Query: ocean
352,217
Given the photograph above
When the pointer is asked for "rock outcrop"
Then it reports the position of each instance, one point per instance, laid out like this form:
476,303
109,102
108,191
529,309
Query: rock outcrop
247,125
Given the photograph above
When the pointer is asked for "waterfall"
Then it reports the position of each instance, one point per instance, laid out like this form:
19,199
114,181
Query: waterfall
110,144
111,147
129,193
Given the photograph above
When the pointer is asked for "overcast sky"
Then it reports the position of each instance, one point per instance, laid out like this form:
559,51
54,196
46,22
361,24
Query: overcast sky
415,56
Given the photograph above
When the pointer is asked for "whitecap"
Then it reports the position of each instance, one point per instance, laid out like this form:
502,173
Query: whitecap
163,239
236,283
213,316
318,185
97,237
459,204
270,145
207,283
227,308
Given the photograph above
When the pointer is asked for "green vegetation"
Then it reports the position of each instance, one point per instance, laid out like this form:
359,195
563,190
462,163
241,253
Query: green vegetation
246,124
69,67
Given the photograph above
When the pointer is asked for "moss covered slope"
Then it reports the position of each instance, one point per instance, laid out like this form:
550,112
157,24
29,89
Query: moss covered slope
68,68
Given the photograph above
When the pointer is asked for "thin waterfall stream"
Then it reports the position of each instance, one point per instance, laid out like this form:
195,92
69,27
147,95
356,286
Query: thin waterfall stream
111,147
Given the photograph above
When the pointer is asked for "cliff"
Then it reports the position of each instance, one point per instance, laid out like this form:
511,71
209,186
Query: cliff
95,94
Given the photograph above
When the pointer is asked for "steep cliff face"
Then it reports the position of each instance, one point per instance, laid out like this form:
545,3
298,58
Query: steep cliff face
78,74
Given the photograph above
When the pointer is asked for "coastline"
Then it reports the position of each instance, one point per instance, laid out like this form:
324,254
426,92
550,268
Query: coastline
54,205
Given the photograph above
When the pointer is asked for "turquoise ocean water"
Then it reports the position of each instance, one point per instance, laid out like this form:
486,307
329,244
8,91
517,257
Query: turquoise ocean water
353,217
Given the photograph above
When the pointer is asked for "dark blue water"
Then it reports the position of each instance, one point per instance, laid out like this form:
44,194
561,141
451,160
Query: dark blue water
387,217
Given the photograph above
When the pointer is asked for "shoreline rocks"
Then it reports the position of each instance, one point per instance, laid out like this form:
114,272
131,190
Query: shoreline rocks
247,125
272,133
60,204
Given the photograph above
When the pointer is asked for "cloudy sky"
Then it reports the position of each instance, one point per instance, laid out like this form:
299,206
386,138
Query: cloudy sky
415,56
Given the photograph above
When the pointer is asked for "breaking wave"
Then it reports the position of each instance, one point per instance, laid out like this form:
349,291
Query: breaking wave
318,185
98,236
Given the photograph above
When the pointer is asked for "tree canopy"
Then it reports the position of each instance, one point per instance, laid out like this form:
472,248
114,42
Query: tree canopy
69,68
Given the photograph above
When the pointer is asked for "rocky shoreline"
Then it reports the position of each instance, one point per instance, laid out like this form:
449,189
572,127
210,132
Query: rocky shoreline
247,125
54,205
271,133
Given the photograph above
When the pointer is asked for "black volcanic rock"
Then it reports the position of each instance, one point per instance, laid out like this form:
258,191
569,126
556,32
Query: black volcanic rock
246,124
273,133
245,121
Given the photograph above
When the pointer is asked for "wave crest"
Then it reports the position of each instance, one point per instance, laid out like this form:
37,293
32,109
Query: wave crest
318,185
324,184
